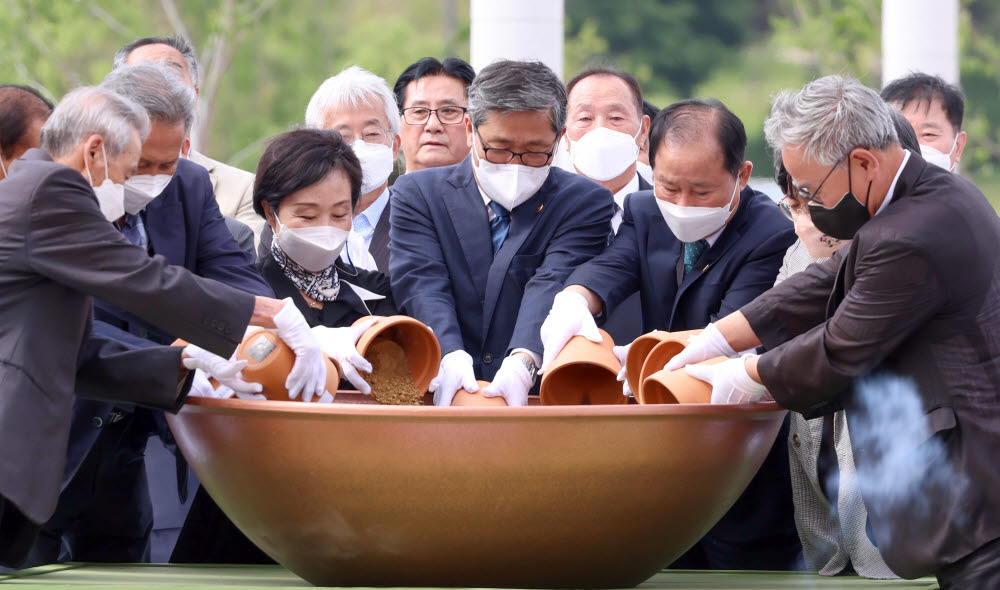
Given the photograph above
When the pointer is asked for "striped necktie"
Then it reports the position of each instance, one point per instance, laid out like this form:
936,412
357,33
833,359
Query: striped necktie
499,226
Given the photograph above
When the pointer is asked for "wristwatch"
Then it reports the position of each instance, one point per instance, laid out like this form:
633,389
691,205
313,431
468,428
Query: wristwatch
529,365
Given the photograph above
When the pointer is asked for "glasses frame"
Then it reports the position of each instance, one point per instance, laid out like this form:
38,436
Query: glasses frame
519,155
435,112
386,135
797,193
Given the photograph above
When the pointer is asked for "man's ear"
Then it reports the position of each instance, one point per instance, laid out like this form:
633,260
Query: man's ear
745,169
960,140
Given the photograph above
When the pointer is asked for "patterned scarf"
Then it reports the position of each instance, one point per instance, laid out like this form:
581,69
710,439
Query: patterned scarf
321,286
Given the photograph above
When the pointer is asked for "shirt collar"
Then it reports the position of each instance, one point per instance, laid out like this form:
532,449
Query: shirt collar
892,187
374,211
628,189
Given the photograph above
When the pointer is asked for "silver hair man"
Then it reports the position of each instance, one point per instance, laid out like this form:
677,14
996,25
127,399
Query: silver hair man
517,86
158,89
828,117
182,45
90,111
352,88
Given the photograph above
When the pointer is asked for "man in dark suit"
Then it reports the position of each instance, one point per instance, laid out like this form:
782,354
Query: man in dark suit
913,297
698,247
604,126
480,248
170,210
58,250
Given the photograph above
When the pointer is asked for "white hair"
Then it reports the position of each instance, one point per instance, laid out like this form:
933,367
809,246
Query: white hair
92,110
352,88
158,89
829,117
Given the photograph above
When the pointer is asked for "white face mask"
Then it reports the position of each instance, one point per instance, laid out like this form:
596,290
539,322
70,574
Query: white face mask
690,224
141,189
313,248
508,185
645,171
376,164
939,158
110,196
602,153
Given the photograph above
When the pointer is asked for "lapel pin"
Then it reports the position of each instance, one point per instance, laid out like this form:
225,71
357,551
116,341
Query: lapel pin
540,207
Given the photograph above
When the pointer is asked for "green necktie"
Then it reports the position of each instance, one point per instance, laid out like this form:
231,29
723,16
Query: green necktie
692,252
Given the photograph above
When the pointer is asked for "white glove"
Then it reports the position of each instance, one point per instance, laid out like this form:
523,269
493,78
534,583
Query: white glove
568,317
707,345
512,382
456,373
226,372
200,386
225,393
731,384
622,353
308,375
341,344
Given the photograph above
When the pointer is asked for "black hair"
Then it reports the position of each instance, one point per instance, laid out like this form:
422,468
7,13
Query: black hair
688,120
430,66
649,109
628,79
19,107
300,158
926,88
907,136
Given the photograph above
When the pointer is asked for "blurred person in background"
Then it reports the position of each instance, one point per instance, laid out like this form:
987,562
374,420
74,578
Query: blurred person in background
935,110
642,165
433,96
23,111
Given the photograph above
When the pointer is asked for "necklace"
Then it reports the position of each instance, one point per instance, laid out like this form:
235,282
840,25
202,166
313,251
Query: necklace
312,302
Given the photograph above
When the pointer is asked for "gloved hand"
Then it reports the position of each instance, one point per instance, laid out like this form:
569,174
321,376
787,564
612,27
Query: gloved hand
226,372
512,382
341,345
731,384
622,353
568,317
308,375
226,393
707,345
201,387
456,373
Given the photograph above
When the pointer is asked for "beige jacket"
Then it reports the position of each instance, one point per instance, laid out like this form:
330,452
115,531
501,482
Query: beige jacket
233,191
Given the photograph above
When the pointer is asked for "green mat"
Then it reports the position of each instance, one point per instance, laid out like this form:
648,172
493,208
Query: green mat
77,576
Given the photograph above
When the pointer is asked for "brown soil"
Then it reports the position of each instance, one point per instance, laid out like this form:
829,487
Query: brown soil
390,379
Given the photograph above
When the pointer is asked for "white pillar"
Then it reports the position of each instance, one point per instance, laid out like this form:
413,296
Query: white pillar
920,36
516,29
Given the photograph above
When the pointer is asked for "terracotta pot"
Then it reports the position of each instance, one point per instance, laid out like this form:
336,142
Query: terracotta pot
464,398
676,387
584,373
270,360
421,346
529,497
670,343
641,348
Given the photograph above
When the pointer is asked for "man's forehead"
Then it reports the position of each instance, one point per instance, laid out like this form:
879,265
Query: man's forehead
590,91
436,87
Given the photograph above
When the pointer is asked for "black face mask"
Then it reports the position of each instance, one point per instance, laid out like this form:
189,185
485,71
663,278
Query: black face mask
846,217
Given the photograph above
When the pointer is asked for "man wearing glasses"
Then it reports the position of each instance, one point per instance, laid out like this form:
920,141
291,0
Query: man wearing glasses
433,96
481,248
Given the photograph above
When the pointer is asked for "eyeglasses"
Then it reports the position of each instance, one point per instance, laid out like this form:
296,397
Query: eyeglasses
804,194
790,210
500,156
449,115
373,134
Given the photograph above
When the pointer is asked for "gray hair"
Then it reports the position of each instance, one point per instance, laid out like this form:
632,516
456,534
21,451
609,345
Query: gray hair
182,45
158,89
352,88
517,86
829,117
92,110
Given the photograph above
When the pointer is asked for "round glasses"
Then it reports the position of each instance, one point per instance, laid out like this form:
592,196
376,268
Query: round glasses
373,134
449,115
501,156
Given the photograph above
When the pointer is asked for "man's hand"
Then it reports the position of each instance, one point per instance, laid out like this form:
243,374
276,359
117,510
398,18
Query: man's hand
341,345
226,372
308,375
512,382
455,373
707,345
730,381
570,316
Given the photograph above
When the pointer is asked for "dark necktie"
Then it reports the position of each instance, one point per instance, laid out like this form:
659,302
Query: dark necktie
499,226
692,252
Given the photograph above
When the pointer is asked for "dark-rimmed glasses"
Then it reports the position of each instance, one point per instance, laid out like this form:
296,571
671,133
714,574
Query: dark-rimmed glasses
501,156
449,115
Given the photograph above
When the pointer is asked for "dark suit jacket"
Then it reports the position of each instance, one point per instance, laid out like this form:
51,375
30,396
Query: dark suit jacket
916,294
645,255
242,234
379,246
443,269
56,251
624,323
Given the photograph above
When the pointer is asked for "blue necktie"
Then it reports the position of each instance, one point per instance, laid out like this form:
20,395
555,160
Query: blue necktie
499,226
692,252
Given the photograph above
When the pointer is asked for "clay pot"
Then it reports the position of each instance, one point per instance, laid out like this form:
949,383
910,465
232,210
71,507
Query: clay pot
676,387
642,349
418,341
584,373
464,398
270,360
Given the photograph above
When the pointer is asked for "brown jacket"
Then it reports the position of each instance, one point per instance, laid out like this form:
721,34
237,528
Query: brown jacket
916,294
56,251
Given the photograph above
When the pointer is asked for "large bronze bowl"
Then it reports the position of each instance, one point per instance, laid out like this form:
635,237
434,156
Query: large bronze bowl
354,494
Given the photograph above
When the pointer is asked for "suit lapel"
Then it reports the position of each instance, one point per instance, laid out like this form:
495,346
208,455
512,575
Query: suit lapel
165,227
379,247
471,223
